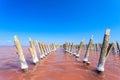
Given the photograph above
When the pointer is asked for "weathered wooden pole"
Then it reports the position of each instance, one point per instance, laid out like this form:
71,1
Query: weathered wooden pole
118,47
37,42
41,49
32,54
52,47
65,45
80,47
23,62
100,46
32,51
45,49
68,47
85,60
42,46
55,47
105,51
114,49
49,49
84,47
96,45
71,48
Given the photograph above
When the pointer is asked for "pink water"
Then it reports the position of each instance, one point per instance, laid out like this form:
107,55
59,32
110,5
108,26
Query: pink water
56,66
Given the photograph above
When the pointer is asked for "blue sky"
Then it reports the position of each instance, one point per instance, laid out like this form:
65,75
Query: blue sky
58,20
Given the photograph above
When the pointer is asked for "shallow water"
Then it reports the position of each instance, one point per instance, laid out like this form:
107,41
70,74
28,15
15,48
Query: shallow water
57,66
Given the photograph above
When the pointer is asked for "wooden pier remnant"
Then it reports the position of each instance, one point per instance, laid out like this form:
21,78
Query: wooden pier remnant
105,51
37,42
80,47
118,47
85,60
43,49
68,48
19,49
32,51
71,48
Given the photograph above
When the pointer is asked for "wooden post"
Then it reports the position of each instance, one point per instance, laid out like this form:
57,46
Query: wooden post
105,51
100,46
45,49
80,47
32,51
85,60
52,47
118,47
66,46
96,45
42,49
23,62
39,48
114,49
49,49
71,48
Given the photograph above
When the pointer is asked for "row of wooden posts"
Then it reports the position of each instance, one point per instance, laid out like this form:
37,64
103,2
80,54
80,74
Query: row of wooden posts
105,48
44,50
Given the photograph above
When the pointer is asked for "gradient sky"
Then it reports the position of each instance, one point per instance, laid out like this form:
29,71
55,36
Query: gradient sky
58,20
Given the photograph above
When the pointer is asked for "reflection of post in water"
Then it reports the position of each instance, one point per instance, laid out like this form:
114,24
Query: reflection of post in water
85,60
24,65
32,51
105,51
